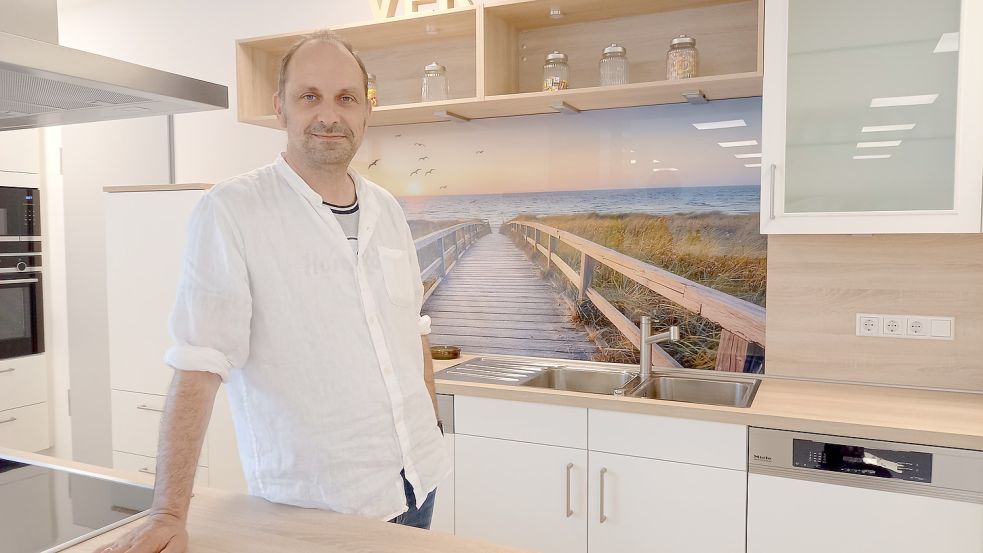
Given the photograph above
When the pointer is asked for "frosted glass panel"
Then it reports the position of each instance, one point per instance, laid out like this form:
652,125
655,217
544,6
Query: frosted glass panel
842,56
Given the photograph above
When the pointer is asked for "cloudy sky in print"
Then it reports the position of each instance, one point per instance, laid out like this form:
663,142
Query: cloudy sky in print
557,152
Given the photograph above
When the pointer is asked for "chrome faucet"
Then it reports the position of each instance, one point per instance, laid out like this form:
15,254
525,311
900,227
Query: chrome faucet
646,341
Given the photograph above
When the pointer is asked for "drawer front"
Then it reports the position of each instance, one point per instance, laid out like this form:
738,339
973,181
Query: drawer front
148,465
25,428
23,381
713,444
136,422
558,425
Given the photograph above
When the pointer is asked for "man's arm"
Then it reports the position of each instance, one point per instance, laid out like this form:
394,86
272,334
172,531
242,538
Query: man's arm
428,375
182,431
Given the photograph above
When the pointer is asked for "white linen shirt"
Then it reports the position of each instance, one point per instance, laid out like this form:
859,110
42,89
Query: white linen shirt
319,347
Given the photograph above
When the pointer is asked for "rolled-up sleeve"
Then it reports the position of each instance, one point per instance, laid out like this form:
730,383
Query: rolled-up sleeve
213,308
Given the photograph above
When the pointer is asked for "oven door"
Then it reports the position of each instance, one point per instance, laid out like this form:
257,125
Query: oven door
21,320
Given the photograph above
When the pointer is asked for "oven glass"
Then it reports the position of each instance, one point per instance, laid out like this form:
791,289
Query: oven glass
20,315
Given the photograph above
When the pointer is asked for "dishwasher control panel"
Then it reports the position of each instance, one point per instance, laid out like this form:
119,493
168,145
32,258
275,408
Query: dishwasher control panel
915,466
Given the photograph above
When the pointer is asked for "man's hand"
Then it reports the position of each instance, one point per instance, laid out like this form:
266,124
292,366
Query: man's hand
160,533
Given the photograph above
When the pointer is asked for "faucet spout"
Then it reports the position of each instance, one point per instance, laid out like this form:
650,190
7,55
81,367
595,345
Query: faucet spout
646,341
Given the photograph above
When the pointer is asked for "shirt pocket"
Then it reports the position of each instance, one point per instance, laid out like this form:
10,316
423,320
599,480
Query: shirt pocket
396,272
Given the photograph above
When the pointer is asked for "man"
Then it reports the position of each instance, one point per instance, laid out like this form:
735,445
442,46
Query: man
301,291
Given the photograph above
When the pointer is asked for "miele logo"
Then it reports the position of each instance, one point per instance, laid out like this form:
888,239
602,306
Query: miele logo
764,458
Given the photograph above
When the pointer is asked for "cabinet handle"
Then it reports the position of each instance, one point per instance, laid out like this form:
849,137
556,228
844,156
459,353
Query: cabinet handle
771,195
144,407
146,470
569,510
7,371
603,518
11,419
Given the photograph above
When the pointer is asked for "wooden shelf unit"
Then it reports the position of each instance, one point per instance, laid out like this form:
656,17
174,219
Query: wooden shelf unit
494,55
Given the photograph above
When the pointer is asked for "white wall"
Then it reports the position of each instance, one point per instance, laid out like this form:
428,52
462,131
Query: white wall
196,39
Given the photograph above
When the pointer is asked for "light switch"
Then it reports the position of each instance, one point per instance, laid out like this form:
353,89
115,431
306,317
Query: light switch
941,328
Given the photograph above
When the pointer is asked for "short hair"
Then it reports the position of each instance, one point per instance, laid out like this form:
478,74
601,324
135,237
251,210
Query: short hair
318,36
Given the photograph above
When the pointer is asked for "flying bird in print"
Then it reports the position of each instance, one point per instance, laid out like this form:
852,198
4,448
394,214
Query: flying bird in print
420,144
415,172
479,152
443,187
430,171
397,136
424,158
373,164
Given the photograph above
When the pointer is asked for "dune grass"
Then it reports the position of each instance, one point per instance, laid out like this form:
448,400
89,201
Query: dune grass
721,251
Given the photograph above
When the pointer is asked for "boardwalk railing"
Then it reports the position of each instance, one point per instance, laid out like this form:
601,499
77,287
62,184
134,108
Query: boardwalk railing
743,322
451,243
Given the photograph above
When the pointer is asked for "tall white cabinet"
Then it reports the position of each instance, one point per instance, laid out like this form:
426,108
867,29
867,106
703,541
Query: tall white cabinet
872,120
146,233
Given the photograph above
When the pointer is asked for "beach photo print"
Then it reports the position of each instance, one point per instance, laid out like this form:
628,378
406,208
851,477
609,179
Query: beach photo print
552,235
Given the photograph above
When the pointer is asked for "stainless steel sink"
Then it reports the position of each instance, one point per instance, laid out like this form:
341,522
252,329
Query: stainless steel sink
692,389
590,381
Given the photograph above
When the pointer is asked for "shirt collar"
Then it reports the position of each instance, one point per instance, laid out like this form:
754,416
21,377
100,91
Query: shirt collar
301,187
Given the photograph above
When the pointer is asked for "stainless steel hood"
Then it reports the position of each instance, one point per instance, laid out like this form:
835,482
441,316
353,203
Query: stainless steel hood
43,84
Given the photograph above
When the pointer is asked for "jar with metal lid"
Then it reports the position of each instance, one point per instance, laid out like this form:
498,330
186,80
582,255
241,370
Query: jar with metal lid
373,91
682,59
614,65
556,72
435,86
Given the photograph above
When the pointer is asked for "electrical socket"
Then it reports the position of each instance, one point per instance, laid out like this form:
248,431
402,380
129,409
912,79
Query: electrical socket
894,325
919,326
868,325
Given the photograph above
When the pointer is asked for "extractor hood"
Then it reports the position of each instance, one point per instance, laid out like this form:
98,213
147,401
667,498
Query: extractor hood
43,84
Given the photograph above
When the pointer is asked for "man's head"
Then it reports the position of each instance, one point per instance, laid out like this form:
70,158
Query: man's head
322,100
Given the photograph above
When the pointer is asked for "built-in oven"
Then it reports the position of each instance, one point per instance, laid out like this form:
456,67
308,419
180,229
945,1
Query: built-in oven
21,314
20,213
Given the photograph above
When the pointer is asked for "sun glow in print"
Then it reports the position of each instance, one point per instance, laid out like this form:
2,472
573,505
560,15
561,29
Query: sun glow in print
414,188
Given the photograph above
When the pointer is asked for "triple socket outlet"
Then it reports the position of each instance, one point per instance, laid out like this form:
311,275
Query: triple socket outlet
921,327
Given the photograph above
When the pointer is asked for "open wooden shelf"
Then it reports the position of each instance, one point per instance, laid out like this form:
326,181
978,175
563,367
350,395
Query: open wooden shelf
494,55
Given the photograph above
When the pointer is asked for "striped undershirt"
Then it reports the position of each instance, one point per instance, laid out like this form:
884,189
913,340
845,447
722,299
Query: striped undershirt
347,216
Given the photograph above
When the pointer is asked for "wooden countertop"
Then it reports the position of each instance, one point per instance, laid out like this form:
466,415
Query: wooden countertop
220,522
948,419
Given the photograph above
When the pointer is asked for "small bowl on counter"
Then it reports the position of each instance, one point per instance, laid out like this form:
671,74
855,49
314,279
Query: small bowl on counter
445,352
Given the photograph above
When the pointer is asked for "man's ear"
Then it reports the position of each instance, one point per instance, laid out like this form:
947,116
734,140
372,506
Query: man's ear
278,110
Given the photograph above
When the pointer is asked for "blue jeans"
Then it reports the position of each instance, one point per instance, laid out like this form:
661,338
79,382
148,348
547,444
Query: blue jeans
417,518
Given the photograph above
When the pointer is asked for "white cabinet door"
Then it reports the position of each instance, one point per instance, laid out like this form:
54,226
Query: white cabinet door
872,128
520,494
26,428
662,506
23,381
145,239
20,151
443,511
786,514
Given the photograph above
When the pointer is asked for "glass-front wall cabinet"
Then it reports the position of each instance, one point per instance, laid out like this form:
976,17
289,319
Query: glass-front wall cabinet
872,116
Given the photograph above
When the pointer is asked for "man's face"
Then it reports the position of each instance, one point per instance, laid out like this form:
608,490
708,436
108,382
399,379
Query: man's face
323,108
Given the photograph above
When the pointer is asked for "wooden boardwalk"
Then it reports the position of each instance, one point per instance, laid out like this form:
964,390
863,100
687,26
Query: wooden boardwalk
496,301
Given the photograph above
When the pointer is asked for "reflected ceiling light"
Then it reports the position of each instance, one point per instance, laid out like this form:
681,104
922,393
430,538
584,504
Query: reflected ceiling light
742,156
891,101
875,156
633,161
949,42
887,128
656,161
555,12
884,144
656,170
739,143
752,165
720,124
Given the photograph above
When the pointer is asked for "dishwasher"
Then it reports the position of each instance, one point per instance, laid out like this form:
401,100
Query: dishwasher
812,493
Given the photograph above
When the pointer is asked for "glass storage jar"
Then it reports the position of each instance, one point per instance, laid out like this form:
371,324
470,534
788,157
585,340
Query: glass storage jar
556,72
614,65
682,59
373,91
435,86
